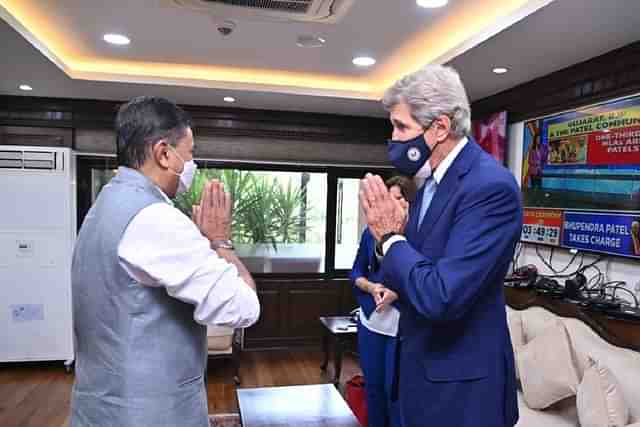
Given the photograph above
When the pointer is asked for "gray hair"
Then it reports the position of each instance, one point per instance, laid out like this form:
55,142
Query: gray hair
142,122
432,91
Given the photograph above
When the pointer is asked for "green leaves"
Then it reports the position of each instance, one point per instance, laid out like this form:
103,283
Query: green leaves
288,209
264,211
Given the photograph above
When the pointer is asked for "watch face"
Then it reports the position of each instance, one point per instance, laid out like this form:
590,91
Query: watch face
223,244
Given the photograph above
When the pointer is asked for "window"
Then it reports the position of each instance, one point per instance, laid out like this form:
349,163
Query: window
281,213
279,218
350,222
100,178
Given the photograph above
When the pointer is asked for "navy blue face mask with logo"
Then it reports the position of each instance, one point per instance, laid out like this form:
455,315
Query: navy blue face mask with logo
409,156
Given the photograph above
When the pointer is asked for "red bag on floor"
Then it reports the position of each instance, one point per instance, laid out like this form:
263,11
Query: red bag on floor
356,399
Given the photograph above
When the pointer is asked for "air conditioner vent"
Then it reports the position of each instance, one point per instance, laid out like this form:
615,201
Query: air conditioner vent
289,6
39,160
32,160
10,159
318,11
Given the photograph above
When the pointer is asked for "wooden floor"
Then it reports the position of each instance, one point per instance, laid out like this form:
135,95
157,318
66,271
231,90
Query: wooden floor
37,395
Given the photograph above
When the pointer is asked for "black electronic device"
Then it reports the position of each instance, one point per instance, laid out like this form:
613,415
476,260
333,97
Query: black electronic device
522,277
601,304
625,312
573,286
550,287
612,308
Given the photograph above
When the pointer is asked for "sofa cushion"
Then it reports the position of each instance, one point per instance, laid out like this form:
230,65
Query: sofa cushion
514,321
600,401
547,376
562,414
624,364
537,320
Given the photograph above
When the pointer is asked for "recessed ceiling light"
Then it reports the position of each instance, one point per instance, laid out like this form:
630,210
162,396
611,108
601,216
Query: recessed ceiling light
310,41
117,39
25,87
229,99
432,3
363,61
500,70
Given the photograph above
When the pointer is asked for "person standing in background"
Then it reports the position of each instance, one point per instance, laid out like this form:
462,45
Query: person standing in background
379,314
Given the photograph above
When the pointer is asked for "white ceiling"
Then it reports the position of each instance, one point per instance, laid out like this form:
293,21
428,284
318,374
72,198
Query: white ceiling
183,36
28,65
556,36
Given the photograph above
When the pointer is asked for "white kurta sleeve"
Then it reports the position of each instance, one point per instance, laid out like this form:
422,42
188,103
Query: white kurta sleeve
163,247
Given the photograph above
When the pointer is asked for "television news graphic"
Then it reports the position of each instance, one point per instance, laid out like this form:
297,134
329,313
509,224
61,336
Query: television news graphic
581,179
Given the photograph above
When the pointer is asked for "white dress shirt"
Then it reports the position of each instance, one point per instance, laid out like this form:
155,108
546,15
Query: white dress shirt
438,176
163,247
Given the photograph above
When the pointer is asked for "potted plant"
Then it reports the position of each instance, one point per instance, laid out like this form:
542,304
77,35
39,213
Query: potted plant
266,214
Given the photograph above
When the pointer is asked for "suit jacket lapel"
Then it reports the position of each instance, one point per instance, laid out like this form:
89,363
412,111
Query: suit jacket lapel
414,211
444,191
448,186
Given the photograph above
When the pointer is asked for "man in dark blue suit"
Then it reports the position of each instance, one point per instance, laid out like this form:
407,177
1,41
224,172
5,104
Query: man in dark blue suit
454,360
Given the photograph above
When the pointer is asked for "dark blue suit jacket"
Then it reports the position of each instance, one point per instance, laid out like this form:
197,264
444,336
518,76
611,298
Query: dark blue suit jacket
455,363
366,265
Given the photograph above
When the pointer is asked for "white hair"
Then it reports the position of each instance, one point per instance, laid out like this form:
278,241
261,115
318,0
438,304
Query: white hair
432,91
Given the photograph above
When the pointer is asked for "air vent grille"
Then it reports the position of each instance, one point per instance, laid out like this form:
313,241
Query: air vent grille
289,6
31,160
316,11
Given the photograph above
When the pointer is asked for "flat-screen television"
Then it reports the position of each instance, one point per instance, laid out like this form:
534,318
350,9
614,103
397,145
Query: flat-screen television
581,179
491,134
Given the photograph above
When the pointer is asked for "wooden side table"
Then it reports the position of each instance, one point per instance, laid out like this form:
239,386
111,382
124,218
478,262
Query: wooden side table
340,330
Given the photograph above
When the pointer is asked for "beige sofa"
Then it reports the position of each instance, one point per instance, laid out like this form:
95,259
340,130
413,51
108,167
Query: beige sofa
586,348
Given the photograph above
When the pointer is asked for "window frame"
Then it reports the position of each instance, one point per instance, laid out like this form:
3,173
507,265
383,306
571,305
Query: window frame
333,173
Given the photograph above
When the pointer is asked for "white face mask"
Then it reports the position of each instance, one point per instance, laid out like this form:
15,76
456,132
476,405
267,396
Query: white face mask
188,172
186,177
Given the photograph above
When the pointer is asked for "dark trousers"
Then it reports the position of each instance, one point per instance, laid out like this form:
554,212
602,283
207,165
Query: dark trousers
373,360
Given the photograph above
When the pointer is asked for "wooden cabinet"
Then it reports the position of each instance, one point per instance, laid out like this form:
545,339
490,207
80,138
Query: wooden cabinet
291,309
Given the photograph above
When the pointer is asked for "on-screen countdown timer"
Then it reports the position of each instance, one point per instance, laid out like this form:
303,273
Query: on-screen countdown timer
538,233
542,226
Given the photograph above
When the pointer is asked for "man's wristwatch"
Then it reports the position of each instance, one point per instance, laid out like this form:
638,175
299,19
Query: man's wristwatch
222,244
383,240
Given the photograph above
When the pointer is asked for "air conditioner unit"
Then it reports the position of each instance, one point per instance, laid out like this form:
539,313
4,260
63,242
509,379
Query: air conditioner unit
37,234
318,11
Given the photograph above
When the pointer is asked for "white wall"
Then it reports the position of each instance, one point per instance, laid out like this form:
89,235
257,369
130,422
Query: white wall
614,268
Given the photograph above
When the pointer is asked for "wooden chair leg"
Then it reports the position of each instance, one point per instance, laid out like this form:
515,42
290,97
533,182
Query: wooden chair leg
236,367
